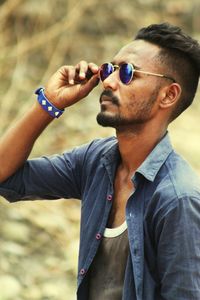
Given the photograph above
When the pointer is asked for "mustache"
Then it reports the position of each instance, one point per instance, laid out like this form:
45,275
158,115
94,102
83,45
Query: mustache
110,97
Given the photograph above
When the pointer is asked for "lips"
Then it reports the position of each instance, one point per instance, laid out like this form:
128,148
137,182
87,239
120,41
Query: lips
105,98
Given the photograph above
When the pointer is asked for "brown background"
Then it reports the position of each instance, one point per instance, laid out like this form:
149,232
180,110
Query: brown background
39,241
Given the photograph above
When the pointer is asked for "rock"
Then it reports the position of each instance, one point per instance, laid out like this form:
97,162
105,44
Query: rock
14,249
9,287
16,231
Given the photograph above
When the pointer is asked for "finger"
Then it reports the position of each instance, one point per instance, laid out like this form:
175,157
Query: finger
71,74
93,67
88,86
94,80
92,70
82,67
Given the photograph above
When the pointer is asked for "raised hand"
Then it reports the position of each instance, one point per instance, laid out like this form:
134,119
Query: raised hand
71,84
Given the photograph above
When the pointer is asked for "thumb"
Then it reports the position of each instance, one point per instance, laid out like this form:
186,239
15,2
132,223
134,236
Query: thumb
88,85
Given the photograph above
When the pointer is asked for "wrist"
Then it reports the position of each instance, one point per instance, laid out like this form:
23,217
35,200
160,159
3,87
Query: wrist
48,106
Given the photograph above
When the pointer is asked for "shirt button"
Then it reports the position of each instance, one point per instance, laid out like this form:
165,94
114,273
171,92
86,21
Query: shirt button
109,197
82,272
98,236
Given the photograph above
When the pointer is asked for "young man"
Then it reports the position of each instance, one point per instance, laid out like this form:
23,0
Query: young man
140,215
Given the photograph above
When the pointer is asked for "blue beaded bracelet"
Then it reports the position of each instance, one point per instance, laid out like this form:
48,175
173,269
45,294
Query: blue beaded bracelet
47,105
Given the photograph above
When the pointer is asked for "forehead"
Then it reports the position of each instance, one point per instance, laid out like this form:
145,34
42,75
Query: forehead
137,52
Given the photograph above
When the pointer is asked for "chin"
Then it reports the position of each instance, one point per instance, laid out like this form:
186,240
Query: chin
104,120
116,121
108,120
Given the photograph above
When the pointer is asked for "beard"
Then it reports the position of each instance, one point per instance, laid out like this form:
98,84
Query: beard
103,118
141,111
106,120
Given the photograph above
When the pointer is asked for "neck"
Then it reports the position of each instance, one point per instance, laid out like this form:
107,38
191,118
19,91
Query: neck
135,145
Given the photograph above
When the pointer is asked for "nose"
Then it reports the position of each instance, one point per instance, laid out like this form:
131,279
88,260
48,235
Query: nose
112,81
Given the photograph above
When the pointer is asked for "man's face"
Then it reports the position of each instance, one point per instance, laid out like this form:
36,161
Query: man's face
135,103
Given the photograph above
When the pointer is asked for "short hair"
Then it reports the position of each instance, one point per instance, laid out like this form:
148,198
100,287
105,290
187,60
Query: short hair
180,54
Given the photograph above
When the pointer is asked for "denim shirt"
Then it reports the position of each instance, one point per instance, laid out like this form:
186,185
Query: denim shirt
163,214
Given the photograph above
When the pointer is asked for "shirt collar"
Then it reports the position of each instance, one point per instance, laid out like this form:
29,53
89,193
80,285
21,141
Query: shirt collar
151,165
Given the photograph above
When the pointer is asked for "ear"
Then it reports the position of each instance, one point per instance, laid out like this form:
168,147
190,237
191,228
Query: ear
169,95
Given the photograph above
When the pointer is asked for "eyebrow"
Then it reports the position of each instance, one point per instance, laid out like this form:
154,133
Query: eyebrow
125,62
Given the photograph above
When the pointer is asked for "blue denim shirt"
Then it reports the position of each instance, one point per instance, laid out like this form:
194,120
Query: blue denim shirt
163,214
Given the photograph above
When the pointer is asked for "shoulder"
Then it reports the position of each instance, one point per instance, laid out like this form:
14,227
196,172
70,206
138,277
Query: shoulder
181,177
95,147
102,145
176,186
90,152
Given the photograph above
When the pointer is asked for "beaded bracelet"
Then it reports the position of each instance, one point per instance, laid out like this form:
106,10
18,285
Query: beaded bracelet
47,105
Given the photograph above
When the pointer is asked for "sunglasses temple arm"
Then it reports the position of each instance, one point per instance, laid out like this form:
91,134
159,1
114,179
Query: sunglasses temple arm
149,73
155,74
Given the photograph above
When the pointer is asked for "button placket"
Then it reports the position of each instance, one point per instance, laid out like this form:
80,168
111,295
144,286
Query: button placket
109,197
98,236
82,272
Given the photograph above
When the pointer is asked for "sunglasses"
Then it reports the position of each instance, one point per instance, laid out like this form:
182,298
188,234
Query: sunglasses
126,72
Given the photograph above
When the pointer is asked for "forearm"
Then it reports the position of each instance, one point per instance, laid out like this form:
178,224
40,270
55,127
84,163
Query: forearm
17,143
66,87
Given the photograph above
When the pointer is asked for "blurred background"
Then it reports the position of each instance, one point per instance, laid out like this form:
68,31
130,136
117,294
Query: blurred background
39,240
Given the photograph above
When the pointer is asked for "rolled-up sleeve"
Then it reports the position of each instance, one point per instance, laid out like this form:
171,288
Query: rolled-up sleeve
53,177
178,250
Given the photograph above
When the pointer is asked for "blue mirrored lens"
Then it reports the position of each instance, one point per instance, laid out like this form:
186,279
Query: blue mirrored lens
106,70
126,73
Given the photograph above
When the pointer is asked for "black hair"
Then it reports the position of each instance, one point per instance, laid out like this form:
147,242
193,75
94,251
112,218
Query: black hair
180,54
